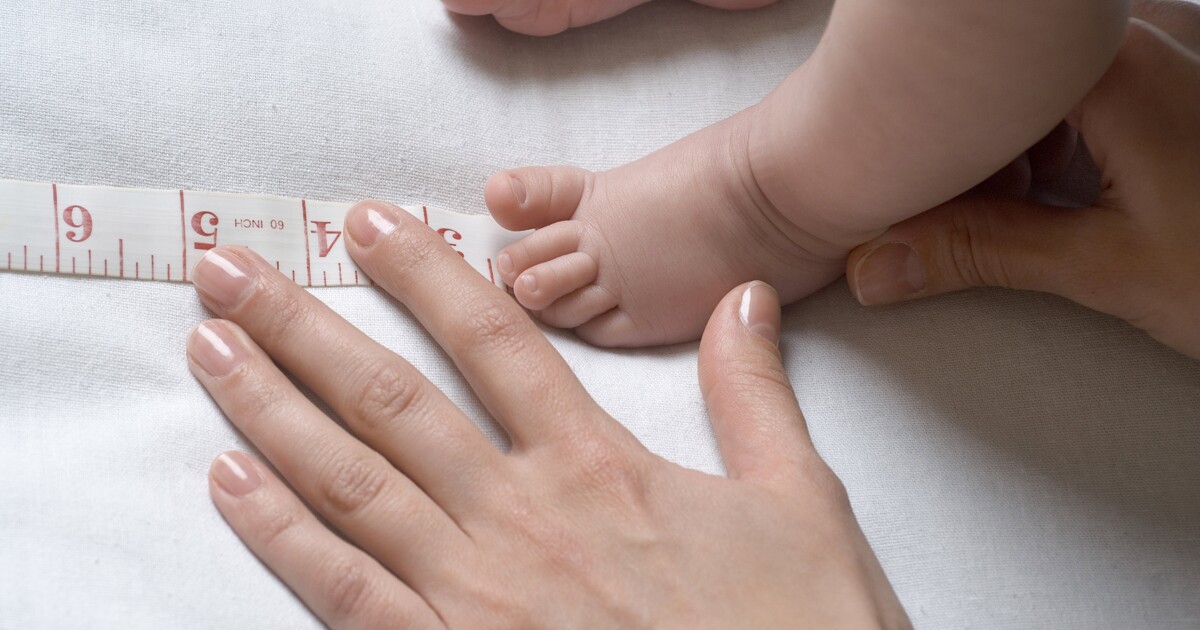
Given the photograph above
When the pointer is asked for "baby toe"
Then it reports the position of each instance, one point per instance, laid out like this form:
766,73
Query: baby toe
545,244
539,286
579,306
618,328
535,196
615,329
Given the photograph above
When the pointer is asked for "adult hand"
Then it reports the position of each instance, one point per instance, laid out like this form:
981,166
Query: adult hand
579,525
1134,253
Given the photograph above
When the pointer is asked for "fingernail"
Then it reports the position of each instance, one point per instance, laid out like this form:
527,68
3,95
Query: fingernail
518,190
215,350
889,273
506,266
759,311
529,283
236,473
223,277
367,221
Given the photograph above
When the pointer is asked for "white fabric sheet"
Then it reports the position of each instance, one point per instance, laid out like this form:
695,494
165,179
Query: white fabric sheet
1017,461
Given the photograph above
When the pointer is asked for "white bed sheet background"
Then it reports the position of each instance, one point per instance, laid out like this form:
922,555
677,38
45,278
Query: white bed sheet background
1017,461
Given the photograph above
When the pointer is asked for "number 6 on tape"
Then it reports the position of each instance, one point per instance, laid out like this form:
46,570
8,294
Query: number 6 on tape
161,234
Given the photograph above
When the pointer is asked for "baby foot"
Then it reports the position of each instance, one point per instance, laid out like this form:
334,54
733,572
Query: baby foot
549,17
640,255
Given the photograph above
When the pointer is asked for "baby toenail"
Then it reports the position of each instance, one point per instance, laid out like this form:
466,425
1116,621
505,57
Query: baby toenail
529,283
506,266
518,190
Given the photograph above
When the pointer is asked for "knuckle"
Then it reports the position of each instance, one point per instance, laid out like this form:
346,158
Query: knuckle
972,253
493,327
961,259
607,470
275,520
825,483
288,314
387,391
347,586
352,483
415,248
255,398
752,379
809,475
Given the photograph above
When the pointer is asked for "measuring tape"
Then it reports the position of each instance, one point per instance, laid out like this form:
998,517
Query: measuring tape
141,234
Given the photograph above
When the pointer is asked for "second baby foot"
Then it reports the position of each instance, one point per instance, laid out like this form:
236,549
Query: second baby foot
640,255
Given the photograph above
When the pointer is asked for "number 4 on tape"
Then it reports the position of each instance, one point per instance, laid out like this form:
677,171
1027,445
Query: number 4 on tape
161,234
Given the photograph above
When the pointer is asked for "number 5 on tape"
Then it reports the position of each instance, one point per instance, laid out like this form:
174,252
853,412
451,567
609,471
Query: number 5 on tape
161,234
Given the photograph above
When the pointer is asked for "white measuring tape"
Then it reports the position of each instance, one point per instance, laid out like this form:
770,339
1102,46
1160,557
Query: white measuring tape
141,234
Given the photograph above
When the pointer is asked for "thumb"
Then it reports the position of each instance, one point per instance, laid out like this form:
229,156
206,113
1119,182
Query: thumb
758,424
980,241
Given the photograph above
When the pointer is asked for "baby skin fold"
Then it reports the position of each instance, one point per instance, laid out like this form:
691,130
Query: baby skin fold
902,106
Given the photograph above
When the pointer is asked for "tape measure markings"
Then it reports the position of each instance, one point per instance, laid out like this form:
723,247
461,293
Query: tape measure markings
125,225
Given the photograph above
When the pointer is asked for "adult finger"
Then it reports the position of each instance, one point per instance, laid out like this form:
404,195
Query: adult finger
757,421
387,402
518,375
352,486
991,241
1179,19
343,586
1141,123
